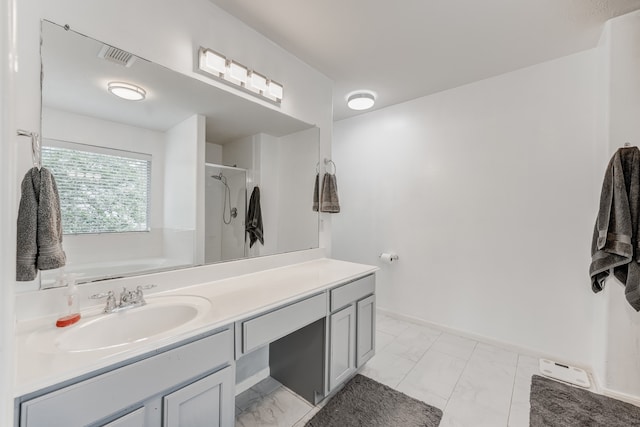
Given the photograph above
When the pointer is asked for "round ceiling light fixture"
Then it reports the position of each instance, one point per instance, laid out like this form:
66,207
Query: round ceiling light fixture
361,100
127,91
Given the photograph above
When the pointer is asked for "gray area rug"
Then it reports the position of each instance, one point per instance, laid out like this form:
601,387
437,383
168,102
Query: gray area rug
365,402
555,404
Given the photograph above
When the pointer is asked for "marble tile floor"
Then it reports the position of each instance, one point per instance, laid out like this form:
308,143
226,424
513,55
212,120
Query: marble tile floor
474,383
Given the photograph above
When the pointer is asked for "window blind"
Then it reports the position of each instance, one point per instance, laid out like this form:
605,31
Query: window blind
100,192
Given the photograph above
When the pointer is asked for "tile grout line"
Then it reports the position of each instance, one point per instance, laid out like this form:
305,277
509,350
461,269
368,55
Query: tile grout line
466,365
513,388
414,363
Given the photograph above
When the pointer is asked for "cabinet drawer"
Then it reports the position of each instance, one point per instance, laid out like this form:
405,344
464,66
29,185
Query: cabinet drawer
109,393
353,291
271,326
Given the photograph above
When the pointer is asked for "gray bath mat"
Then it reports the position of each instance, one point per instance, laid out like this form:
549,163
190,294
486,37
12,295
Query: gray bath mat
365,402
554,404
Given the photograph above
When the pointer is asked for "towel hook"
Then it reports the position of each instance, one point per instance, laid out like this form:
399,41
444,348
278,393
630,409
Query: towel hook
36,147
330,162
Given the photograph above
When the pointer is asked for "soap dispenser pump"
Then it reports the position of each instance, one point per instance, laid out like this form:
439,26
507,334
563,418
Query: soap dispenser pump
73,308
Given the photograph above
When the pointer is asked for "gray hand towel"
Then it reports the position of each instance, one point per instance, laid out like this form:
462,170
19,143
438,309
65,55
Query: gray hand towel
316,198
253,226
615,235
329,199
39,228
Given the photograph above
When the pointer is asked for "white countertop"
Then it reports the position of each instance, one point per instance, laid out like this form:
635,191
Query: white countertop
231,299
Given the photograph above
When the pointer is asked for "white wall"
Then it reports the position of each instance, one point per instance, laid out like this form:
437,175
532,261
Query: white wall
297,222
618,349
486,193
269,182
213,153
184,186
8,185
600,318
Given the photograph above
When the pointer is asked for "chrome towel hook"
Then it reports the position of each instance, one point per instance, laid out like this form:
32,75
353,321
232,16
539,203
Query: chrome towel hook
330,162
36,147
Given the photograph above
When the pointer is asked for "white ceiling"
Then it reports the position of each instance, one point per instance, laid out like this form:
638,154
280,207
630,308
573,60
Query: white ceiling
410,48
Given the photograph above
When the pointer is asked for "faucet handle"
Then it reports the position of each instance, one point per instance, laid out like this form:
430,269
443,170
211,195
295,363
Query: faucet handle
101,295
111,300
126,296
139,295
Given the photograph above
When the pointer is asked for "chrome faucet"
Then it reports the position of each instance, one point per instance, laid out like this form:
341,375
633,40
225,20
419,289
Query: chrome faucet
128,299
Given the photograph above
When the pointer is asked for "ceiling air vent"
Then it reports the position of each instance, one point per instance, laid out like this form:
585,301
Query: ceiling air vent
116,55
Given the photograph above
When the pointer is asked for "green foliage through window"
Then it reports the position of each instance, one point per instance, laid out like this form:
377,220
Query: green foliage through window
100,193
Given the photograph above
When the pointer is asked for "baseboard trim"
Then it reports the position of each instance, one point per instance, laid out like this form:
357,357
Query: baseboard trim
625,397
487,340
254,379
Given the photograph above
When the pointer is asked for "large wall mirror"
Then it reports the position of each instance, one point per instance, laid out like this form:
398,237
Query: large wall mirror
166,181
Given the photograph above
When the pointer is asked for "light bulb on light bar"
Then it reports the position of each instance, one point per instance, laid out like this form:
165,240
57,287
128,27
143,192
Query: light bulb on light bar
258,82
127,91
276,90
212,62
238,72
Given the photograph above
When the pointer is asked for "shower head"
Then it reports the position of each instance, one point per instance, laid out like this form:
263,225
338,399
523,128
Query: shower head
220,178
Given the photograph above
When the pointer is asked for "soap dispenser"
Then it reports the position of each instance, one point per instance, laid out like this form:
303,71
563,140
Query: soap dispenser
72,314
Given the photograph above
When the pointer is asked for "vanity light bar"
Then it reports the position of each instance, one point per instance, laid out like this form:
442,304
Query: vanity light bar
230,71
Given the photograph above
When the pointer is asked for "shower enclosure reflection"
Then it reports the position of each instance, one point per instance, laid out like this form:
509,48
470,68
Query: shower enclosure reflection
225,208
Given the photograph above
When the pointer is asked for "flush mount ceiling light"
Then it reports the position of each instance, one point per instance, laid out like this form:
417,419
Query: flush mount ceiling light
231,72
126,91
361,100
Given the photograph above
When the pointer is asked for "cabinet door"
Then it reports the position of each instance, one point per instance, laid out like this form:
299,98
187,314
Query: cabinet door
342,361
206,402
132,419
366,334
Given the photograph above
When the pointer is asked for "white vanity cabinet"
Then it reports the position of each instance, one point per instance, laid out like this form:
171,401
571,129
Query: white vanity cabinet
188,385
351,328
206,402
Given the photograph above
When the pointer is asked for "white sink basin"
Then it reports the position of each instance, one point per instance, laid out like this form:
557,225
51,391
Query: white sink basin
161,315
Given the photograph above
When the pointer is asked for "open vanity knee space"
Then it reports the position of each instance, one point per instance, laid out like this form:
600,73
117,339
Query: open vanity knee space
316,319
